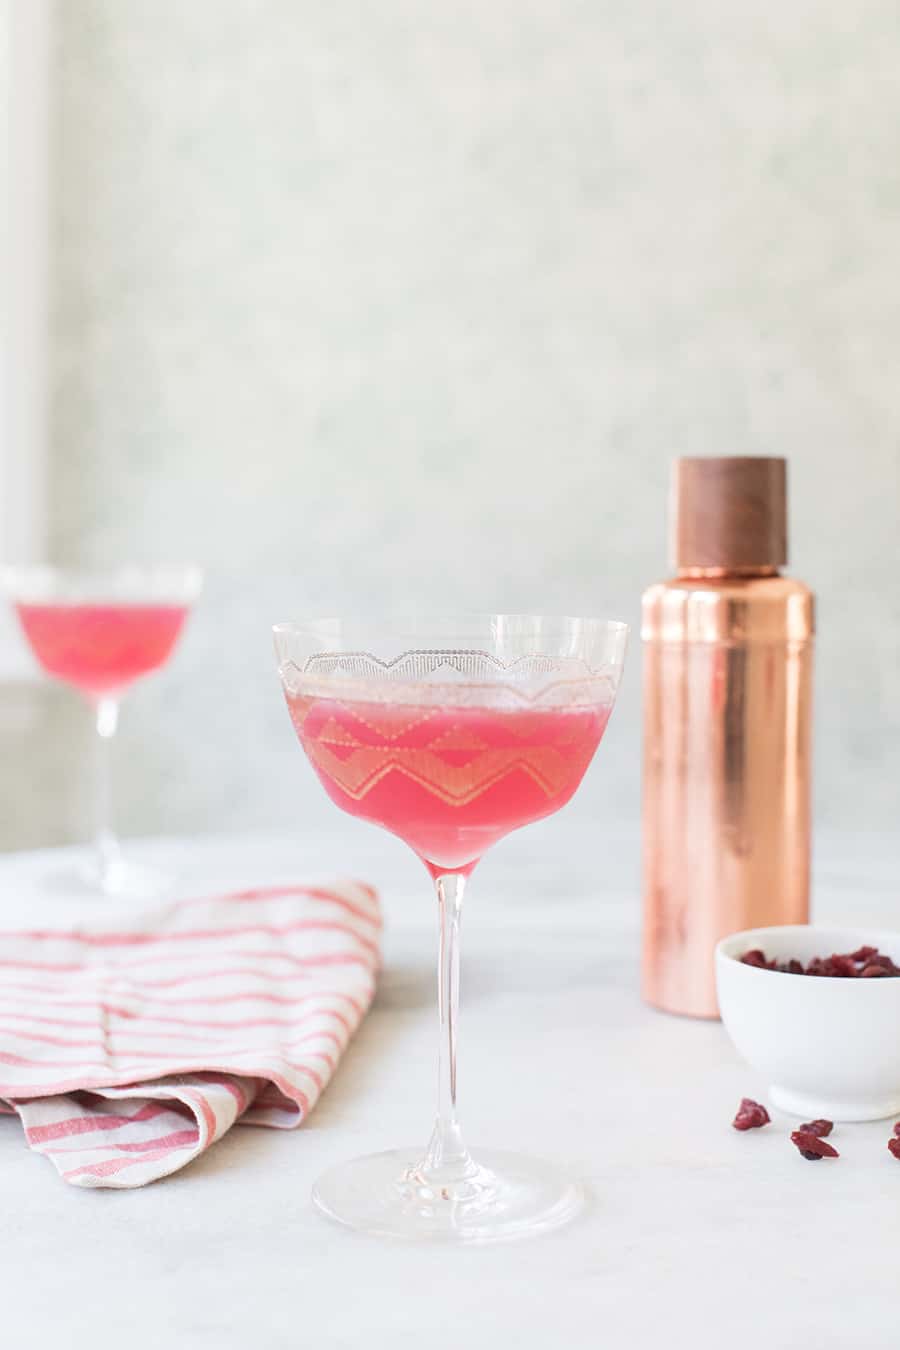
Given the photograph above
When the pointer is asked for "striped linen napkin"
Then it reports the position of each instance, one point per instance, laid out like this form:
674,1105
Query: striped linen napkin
128,1051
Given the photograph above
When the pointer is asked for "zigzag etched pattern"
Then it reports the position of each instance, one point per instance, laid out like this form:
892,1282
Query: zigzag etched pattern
449,780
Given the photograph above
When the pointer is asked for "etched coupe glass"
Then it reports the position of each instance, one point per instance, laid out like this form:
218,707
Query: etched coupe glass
450,734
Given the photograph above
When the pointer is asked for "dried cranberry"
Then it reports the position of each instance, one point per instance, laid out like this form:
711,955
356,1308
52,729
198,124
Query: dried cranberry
812,1147
894,1146
839,967
897,1129
751,1115
820,1128
865,963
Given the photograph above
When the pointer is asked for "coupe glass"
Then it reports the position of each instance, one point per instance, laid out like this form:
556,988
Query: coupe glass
450,733
99,632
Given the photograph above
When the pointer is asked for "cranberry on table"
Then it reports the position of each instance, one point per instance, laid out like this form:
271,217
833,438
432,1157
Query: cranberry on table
812,1147
750,1115
817,1127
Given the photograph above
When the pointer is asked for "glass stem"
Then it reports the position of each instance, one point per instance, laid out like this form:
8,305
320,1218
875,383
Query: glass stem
447,1156
106,845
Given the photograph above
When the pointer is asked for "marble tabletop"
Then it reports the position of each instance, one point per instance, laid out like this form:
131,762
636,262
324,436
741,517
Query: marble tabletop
696,1236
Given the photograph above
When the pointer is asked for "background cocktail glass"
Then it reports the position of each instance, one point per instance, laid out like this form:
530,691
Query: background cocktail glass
99,632
450,733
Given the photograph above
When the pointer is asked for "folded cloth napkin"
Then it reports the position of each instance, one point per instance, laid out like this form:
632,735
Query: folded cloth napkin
127,1051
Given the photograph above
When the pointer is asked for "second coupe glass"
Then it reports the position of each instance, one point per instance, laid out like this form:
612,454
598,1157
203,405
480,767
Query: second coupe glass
99,632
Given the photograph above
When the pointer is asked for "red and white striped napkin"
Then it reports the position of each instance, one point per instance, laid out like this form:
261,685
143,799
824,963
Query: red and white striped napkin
127,1051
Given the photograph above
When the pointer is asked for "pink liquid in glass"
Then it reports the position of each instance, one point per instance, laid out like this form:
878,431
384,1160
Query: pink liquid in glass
448,781
101,648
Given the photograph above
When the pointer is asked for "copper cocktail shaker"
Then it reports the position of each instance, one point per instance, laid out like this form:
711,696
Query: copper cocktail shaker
728,646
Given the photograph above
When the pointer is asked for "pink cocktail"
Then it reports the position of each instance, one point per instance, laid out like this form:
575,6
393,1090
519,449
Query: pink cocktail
450,734
100,632
101,648
449,781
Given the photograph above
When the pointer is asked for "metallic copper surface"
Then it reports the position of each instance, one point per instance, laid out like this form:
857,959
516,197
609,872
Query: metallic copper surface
726,809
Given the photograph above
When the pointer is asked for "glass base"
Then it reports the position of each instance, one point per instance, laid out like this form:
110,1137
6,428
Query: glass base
120,878
503,1196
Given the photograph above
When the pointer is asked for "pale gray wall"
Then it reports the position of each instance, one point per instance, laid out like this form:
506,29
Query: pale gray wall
412,302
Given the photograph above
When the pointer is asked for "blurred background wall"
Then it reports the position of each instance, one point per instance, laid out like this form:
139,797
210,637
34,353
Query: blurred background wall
401,304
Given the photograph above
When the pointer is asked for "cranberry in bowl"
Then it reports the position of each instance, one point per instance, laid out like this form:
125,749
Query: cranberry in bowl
828,1044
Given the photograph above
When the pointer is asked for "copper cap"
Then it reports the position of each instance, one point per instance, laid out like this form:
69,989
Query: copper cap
730,513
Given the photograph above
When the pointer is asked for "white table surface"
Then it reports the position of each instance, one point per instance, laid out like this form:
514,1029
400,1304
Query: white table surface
697,1236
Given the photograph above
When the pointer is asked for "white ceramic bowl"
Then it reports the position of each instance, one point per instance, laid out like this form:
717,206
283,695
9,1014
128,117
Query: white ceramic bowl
827,1047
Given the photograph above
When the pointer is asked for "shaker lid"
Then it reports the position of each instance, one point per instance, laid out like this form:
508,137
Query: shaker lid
730,512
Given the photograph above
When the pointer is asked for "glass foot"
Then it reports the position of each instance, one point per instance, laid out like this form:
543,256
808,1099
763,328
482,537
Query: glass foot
502,1197
128,880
